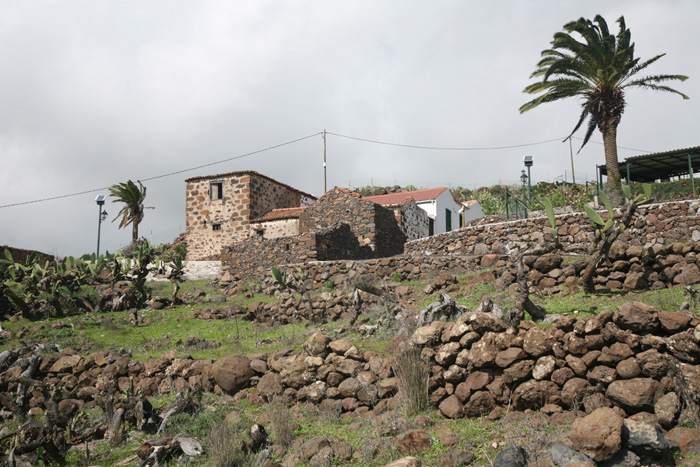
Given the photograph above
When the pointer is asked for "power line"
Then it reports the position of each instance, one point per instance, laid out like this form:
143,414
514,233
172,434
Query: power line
164,175
621,147
437,148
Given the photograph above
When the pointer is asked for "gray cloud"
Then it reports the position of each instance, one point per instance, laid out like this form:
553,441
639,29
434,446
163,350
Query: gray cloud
95,93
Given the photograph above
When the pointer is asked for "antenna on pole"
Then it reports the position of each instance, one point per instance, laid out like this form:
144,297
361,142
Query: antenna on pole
325,188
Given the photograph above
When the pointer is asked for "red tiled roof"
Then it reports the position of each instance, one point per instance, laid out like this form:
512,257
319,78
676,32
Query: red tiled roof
279,214
246,172
399,204
418,195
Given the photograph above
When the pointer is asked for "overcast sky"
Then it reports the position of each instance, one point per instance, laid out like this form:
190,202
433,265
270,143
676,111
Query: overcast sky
98,92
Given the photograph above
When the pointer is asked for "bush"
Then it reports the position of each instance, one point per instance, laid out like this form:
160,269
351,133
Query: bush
280,424
412,373
224,446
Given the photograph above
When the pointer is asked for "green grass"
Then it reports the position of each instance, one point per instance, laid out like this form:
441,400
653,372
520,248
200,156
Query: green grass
102,331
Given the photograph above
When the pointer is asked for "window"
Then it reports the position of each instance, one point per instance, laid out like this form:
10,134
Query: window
448,220
260,232
216,190
216,227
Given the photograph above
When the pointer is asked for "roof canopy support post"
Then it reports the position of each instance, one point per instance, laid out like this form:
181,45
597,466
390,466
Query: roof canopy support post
628,174
690,171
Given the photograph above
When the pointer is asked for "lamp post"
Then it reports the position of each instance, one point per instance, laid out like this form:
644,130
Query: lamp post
100,200
527,160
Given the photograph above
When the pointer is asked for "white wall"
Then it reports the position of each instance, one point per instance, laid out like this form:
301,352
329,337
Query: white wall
436,210
473,211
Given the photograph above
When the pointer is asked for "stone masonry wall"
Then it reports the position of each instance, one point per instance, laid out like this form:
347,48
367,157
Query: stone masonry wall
657,224
253,257
341,207
318,272
245,195
414,221
266,194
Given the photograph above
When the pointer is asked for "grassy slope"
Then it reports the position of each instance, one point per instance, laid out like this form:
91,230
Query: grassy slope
98,331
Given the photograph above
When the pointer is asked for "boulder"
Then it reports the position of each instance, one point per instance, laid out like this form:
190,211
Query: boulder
511,456
317,345
563,455
480,403
506,357
538,341
232,373
667,409
674,321
535,394
634,395
452,407
413,442
638,317
647,440
686,438
598,435
269,386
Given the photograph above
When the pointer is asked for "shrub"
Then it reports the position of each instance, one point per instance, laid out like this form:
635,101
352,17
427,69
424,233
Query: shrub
280,424
224,446
329,285
412,373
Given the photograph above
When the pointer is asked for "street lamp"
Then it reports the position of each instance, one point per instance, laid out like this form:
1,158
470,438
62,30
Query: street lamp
100,200
527,160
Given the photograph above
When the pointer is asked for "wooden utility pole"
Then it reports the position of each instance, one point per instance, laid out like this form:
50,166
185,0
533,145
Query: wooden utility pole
325,188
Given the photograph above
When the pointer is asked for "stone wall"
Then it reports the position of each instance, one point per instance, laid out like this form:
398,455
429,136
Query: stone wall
213,221
373,225
318,272
656,224
253,257
414,221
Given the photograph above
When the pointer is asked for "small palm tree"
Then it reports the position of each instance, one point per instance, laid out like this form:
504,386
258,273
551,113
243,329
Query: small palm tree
597,70
132,212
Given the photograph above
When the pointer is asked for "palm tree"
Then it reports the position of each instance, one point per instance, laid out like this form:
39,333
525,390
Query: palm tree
132,213
597,70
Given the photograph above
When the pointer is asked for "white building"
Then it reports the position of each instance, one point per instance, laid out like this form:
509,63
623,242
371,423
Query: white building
471,210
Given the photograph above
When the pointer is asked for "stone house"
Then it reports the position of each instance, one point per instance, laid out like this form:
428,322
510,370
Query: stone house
339,225
219,208
443,212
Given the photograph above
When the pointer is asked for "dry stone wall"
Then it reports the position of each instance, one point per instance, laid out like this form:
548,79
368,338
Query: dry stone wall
657,224
641,360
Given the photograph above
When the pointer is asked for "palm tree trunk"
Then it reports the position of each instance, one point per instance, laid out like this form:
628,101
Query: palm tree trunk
610,145
134,232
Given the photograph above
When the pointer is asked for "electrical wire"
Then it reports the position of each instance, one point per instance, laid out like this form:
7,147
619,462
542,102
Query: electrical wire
619,147
411,146
438,148
164,175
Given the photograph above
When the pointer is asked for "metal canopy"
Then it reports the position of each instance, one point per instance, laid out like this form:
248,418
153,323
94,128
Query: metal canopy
659,166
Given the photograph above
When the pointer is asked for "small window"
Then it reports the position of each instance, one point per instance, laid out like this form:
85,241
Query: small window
216,227
216,190
286,247
259,232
